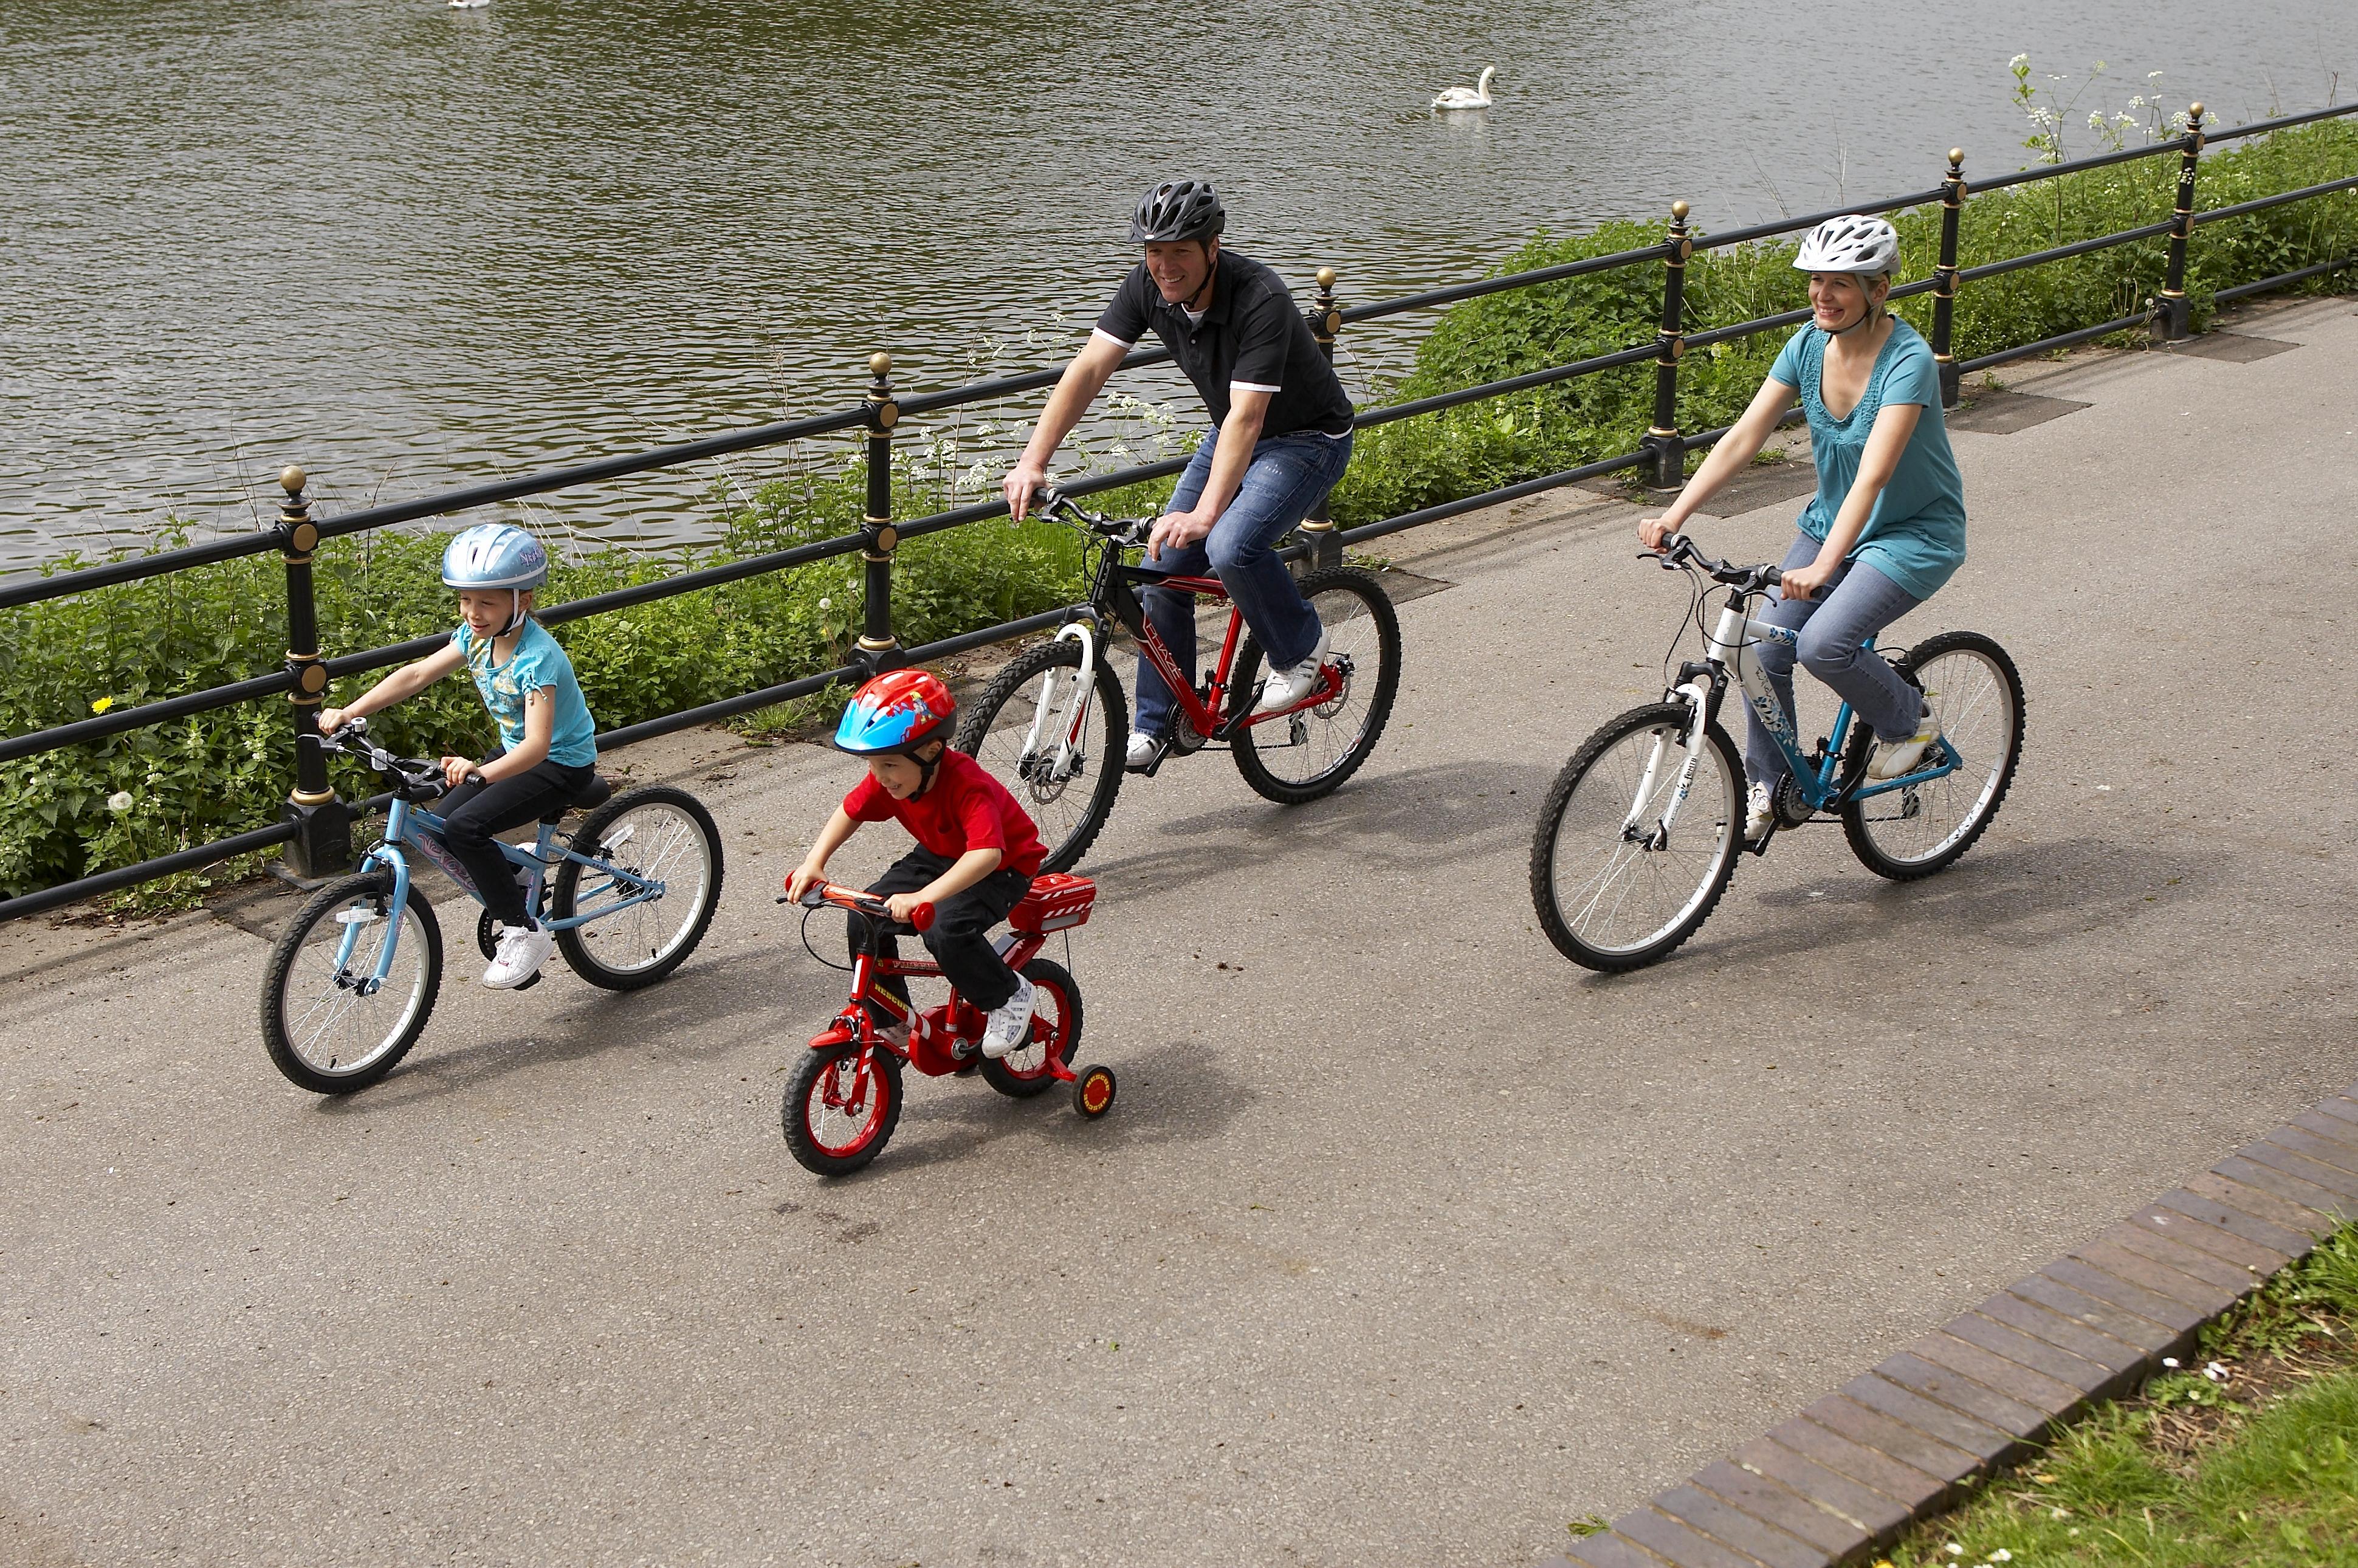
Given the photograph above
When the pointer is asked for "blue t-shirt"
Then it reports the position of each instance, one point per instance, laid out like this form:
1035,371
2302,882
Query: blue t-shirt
539,663
1916,535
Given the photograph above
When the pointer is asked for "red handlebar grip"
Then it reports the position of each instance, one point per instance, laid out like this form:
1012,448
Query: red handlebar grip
922,917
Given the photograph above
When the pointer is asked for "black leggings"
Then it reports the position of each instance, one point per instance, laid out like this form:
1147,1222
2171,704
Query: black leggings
959,938
473,814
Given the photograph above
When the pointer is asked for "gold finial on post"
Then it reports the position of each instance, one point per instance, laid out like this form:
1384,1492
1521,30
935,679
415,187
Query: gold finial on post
1678,212
2194,116
292,478
1327,275
1957,158
880,365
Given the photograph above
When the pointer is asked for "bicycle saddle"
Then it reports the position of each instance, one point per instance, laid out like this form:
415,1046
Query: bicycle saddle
594,794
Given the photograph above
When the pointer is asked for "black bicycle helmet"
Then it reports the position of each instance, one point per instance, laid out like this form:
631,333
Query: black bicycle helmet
1178,209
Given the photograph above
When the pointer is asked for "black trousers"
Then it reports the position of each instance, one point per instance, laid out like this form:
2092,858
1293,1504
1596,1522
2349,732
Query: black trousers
474,815
960,937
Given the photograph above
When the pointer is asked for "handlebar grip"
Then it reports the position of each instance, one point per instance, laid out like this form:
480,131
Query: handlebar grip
922,917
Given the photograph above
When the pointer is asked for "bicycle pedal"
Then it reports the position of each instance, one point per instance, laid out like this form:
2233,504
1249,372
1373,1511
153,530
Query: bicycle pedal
530,982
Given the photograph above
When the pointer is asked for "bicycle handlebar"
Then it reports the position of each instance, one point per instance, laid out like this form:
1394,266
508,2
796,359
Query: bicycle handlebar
820,896
1128,532
421,779
1678,551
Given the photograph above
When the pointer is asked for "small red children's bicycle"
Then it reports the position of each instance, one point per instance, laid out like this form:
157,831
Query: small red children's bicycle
844,1098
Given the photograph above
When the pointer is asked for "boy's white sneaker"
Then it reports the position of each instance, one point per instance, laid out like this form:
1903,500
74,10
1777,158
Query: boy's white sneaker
523,950
1009,1025
1289,685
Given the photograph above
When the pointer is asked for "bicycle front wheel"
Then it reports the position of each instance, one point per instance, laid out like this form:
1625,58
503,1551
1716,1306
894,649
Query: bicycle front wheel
1624,866
658,834
327,1023
1976,692
1018,728
1308,755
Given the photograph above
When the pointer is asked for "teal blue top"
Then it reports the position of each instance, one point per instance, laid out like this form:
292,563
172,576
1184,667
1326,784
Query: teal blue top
539,663
1916,535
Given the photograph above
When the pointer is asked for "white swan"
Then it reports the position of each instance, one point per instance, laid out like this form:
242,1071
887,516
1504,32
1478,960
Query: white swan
1475,97
469,5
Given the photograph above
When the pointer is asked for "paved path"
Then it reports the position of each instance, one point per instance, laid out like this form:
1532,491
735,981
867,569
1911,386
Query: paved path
1408,1241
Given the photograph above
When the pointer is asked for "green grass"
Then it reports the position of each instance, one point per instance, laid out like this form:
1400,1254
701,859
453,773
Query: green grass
2256,1469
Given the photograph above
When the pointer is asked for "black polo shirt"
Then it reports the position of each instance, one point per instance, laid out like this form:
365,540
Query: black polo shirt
1251,339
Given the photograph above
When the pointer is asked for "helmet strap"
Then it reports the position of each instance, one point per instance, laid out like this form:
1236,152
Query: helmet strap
516,613
1869,316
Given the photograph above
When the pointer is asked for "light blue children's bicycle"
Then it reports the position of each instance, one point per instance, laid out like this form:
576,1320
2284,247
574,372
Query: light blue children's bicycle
1640,835
350,983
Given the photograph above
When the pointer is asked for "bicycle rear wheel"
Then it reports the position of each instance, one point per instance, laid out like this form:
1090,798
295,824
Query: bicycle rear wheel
1310,753
1614,889
328,1026
1016,728
660,834
1976,693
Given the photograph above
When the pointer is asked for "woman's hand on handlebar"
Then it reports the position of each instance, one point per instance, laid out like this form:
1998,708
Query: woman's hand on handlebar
1804,582
1652,531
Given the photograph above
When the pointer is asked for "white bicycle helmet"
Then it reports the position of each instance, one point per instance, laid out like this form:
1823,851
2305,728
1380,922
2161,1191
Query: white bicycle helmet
496,555
1867,247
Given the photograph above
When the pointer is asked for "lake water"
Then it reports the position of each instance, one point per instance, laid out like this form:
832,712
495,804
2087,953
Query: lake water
410,246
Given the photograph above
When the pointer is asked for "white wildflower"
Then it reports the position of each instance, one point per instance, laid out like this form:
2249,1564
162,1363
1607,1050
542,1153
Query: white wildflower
2001,1555
2095,119
2171,1362
825,603
119,802
1954,1549
2018,62
2216,1372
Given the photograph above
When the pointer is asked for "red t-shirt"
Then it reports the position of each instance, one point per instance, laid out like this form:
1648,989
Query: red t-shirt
966,808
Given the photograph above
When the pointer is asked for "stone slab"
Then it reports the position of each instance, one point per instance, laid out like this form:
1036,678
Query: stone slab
1835,1537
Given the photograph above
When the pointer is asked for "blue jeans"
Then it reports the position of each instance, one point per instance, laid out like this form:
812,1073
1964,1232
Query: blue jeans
1859,602
1287,477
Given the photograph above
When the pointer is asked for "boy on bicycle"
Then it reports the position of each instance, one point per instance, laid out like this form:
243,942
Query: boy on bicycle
549,744
977,851
1281,439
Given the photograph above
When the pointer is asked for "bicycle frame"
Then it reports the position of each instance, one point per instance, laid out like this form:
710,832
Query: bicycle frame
1728,655
1728,649
408,826
933,1041
1113,598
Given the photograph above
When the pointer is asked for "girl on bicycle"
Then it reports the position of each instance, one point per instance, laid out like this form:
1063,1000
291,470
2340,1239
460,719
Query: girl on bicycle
548,745
977,851
1886,528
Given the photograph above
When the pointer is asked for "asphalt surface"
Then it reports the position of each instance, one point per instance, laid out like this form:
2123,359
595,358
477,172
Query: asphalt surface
1407,1242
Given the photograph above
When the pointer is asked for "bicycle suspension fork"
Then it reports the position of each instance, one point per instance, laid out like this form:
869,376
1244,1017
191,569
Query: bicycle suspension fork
1068,744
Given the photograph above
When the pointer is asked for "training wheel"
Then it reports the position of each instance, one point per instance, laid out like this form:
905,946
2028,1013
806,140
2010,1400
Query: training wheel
1093,1092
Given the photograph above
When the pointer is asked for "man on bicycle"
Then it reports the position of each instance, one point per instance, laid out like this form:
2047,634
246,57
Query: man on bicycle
1281,437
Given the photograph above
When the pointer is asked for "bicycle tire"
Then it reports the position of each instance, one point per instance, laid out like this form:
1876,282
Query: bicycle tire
299,1051
1600,811
998,723
595,950
1967,699
1333,759
812,1146
1056,1033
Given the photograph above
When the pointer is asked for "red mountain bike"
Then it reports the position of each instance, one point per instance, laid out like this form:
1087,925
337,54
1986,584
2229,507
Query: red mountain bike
845,1100
1053,725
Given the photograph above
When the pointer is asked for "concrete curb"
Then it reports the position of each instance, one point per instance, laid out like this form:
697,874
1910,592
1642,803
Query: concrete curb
1897,1443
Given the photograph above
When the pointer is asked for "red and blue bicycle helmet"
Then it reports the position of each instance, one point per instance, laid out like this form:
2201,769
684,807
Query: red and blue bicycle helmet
895,714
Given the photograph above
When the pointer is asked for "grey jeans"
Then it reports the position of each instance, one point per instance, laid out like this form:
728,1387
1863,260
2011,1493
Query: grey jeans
1859,602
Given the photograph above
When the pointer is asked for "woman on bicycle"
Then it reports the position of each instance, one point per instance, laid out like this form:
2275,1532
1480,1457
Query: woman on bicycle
1886,526
549,743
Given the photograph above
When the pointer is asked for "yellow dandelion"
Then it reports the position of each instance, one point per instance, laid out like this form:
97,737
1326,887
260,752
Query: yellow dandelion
102,705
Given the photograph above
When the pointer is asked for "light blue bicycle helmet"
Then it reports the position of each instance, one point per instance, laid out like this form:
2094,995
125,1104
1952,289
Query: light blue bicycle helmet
496,555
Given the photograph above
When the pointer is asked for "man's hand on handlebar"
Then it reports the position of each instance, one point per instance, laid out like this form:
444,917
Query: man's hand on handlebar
1177,530
1023,482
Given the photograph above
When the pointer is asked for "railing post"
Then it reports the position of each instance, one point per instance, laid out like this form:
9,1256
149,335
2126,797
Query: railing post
1944,284
2175,322
878,649
1318,528
322,845
1670,453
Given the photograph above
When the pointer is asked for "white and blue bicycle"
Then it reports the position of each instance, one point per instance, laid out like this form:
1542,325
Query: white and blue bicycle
1639,836
351,982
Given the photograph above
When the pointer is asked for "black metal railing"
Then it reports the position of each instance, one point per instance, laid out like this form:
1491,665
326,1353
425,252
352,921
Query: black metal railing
315,824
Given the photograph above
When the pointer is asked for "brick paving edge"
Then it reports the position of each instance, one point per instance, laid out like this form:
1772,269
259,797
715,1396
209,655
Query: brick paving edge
1898,1444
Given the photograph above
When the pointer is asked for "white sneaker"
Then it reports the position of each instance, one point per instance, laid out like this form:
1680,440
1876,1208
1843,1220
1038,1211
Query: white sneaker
1759,811
1895,759
1009,1027
1289,685
522,953
1142,751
